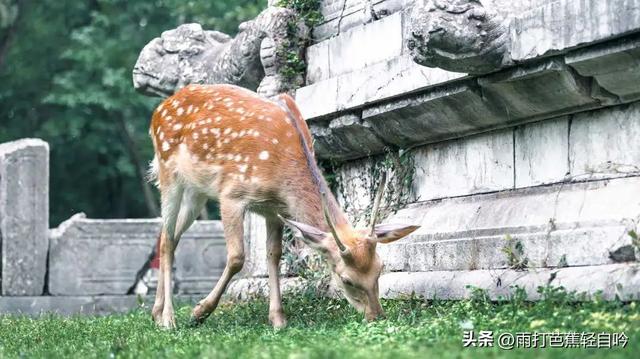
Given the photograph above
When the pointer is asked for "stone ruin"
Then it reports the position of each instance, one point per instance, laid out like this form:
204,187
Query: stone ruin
509,129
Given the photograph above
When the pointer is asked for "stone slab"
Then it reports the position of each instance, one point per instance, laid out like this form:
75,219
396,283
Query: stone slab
433,115
84,305
24,216
583,222
360,47
345,137
604,143
102,257
610,281
477,164
566,24
541,90
542,152
614,64
377,82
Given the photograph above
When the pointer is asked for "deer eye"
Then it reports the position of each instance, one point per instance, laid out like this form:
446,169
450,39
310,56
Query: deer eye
347,281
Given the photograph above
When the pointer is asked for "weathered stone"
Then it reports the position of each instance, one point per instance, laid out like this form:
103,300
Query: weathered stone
200,258
603,143
317,62
434,115
189,55
608,281
255,239
615,66
96,257
377,82
343,15
543,90
565,24
542,152
24,216
458,35
346,137
482,163
360,47
582,222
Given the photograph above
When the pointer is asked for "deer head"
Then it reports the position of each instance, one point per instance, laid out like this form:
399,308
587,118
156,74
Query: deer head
351,253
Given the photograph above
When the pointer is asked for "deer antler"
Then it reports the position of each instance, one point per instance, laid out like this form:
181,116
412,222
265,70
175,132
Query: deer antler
376,203
327,217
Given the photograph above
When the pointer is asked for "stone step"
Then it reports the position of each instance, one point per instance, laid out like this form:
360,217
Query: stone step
609,281
571,224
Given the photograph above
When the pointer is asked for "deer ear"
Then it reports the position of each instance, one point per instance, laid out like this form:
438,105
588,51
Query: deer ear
310,234
387,233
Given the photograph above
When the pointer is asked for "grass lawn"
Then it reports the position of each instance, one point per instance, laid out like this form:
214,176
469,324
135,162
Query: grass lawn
326,328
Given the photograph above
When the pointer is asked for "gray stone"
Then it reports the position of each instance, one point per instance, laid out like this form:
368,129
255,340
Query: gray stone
375,83
610,281
98,257
433,115
582,222
458,35
542,152
346,137
477,164
604,143
200,258
615,65
24,216
188,54
255,241
565,24
317,62
360,47
539,91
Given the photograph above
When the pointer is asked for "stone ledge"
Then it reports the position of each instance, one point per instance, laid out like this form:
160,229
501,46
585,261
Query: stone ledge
612,281
566,224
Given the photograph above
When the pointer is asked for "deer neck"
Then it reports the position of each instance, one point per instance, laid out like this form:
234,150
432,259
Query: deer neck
304,203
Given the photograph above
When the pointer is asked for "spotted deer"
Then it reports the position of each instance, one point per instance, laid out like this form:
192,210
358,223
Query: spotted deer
253,154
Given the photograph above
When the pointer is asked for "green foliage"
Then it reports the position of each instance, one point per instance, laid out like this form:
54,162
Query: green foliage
290,53
328,328
308,10
67,79
514,250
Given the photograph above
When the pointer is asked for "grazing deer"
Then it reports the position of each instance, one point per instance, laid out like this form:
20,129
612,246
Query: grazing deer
253,154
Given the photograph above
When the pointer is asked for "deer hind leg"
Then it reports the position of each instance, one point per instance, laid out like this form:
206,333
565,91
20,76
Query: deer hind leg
274,253
179,216
232,214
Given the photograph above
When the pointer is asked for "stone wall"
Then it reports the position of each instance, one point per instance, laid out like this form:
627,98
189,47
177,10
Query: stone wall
538,149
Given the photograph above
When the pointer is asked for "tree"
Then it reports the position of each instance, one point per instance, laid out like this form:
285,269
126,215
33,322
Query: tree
67,79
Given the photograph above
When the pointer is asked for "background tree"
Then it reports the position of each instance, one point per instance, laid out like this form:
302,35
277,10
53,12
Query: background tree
66,78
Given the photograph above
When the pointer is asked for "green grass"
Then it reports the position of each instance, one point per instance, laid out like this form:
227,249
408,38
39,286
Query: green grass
325,328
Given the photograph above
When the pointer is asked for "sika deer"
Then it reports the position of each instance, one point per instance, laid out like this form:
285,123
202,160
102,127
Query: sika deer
254,154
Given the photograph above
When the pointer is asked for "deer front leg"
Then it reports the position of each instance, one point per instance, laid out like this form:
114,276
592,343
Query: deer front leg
232,214
274,253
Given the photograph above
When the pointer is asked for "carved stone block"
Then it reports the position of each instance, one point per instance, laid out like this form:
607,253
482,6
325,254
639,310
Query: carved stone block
24,216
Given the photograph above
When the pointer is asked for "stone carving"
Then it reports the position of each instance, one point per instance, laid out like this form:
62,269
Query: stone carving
458,35
252,59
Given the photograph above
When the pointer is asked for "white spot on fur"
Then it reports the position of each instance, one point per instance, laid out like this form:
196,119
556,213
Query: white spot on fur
177,126
164,112
205,146
264,155
195,135
161,136
238,157
189,109
256,133
218,118
166,146
205,131
275,141
242,168
227,131
180,111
